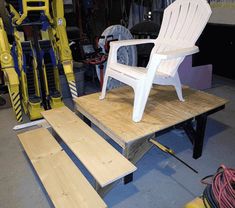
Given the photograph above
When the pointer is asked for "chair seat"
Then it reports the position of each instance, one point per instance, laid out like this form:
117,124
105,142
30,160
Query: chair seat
161,74
135,72
130,71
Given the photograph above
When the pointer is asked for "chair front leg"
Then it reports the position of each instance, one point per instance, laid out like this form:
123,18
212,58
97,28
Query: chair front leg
140,100
103,92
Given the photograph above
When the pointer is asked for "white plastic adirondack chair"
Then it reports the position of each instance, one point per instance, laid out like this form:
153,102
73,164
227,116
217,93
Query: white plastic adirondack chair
183,22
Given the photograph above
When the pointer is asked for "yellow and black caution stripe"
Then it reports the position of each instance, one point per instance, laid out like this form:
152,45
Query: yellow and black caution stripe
73,89
17,106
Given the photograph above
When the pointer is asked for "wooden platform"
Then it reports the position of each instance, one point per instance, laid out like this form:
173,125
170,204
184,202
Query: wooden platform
163,110
113,114
104,162
63,181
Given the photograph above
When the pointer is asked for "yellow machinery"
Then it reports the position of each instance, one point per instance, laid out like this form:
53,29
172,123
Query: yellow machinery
197,203
11,77
31,62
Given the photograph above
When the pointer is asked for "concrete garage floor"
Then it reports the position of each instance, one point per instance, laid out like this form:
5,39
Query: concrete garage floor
160,180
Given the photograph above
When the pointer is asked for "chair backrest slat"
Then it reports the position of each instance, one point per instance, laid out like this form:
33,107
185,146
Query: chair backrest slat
184,20
192,13
174,21
183,23
197,27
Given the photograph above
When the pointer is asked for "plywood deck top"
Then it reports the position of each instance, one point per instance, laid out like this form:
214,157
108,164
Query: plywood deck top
63,181
113,115
104,162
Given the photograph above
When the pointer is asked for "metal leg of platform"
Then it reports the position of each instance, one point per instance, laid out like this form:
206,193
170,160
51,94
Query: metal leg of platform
128,178
87,121
196,135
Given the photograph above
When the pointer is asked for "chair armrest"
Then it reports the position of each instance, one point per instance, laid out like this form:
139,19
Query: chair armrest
177,53
131,42
115,45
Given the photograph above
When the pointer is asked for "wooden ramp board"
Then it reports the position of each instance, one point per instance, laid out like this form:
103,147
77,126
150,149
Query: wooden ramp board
63,181
113,115
104,162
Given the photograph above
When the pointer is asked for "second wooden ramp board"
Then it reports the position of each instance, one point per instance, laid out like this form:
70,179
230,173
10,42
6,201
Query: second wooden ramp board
63,181
104,162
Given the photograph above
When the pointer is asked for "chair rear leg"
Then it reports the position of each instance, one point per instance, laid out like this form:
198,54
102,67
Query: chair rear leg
103,93
179,92
178,87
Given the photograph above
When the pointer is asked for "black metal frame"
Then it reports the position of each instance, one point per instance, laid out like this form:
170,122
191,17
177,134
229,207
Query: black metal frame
195,134
129,178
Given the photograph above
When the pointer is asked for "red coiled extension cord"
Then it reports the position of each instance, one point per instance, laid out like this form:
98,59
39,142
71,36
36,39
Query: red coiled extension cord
221,192
223,187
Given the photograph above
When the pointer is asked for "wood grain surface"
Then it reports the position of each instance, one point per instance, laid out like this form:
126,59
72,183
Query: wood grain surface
63,181
104,162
